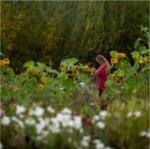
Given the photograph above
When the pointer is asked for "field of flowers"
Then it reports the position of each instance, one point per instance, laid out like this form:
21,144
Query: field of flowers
60,109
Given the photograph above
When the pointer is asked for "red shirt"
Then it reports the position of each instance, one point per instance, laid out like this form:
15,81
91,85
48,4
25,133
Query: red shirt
102,76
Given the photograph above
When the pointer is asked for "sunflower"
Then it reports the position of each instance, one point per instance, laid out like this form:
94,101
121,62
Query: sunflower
40,87
114,60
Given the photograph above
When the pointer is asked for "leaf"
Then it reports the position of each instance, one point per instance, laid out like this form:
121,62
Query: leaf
10,71
29,64
41,66
70,61
1,54
147,51
50,70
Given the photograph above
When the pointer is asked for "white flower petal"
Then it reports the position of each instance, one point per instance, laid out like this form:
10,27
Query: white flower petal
5,120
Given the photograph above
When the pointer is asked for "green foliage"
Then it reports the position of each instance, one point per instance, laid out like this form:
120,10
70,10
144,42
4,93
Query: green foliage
126,77
51,31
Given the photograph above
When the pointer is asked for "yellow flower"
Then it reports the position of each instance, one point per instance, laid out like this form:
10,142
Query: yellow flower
114,60
4,62
136,57
44,80
146,59
62,67
87,69
40,87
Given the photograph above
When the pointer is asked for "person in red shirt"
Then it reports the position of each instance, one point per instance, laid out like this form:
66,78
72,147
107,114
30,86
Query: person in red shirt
101,73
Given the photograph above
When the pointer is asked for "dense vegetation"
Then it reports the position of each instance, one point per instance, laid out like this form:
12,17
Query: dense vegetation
48,96
44,30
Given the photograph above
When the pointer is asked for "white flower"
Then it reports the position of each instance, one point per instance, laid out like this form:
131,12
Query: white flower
95,118
20,109
148,134
39,127
1,145
77,122
45,133
59,117
54,128
21,116
37,112
143,133
87,138
66,111
96,141
129,114
84,143
70,123
99,146
137,113
30,121
107,147
50,109
101,125
5,120
103,114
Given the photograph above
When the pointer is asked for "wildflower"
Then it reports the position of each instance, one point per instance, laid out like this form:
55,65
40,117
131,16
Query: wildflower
129,114
66,111
114,60
40,87
95,118
99,145
5,120
37,112
137,114
96,141
45,133
88,138
145,134
30,121
20,109
107,147
148,134
1,145
77,122
50,109
101,125
44,80
55,126
103,114
4,62
85,141
40,126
